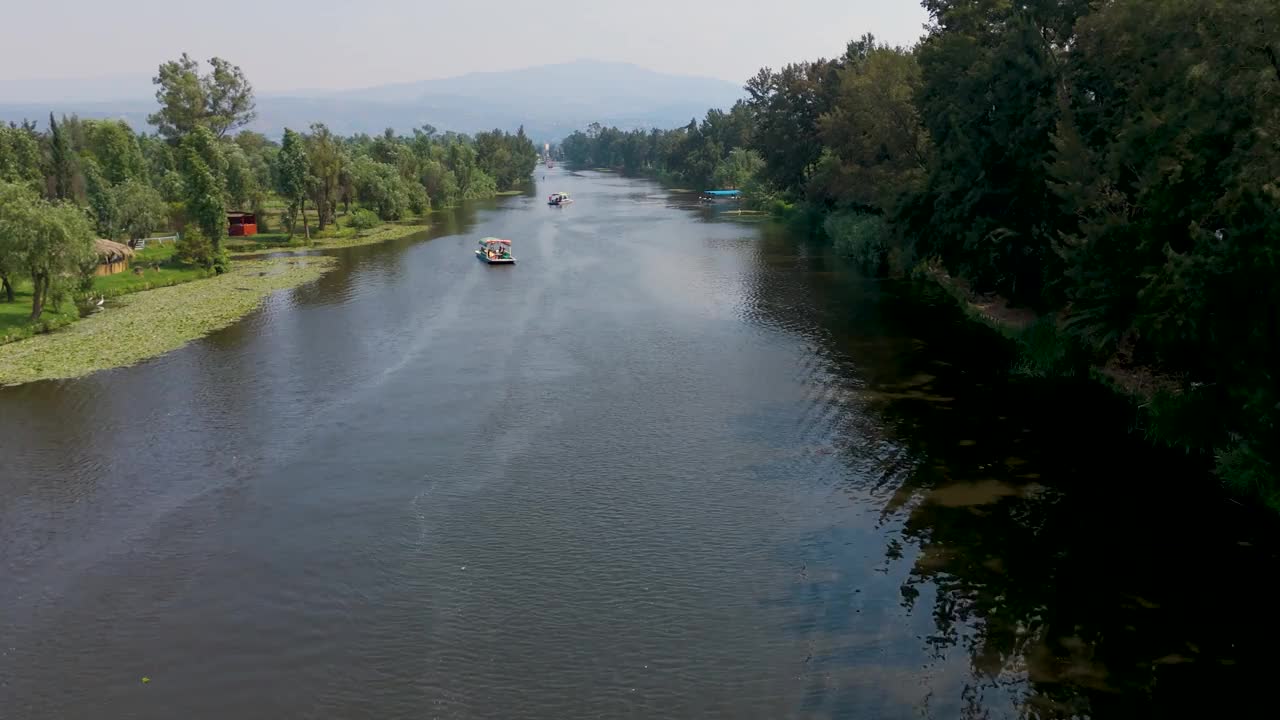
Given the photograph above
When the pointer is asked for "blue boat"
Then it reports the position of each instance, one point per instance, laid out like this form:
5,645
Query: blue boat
713,195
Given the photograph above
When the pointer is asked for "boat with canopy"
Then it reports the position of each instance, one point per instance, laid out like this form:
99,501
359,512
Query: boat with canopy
495,251
714,195
560,198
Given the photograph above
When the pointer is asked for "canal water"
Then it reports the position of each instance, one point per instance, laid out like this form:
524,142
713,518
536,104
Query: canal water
671,465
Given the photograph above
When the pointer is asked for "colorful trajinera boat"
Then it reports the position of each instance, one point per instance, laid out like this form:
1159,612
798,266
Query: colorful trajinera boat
495,251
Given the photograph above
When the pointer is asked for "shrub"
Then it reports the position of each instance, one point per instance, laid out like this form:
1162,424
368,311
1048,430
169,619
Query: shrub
195,249
419,202
860,236
363,219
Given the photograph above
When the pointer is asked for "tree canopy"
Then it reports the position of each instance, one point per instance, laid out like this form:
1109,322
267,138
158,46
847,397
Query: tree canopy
220,101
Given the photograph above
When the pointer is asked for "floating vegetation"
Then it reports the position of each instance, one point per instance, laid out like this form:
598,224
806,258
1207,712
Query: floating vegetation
144,325
383,233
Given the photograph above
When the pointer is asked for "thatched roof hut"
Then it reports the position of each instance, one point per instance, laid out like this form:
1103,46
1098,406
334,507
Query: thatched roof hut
110,251
113,257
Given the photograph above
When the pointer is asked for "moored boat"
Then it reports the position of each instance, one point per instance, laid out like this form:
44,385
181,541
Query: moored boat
495,251
714,195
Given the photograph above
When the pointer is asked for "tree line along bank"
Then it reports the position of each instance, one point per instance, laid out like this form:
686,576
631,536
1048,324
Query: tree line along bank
73,180
1110,169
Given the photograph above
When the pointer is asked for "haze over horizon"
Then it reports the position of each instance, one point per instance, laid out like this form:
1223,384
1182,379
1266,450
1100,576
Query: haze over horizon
114,49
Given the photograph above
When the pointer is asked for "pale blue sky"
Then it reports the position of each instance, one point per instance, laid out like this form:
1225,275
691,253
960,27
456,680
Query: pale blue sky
291,44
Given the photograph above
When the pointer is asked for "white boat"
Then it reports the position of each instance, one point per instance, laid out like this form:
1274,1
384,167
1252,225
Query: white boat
560,198
495,251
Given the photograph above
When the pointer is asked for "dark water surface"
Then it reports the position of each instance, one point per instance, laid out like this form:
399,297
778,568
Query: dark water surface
669,465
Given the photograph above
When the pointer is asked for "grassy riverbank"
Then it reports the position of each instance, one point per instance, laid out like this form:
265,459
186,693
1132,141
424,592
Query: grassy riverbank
147,324
180,304
15,317
331,238
152,268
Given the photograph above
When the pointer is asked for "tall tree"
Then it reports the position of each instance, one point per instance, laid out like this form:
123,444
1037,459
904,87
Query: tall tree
291,178
242,182
219,101
990,98
113,145
61,160
203,166
102,202
325,161
787,105
876,147
229,97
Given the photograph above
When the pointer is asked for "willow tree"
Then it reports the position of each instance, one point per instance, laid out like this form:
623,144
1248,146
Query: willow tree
49,241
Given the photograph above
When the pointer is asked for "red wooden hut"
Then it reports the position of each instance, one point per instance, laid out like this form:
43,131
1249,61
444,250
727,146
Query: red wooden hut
240,224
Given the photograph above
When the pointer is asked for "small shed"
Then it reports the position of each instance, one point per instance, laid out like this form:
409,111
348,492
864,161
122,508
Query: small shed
113,257
241,224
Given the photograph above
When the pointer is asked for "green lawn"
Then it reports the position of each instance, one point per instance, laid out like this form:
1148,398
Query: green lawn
15,322
152,268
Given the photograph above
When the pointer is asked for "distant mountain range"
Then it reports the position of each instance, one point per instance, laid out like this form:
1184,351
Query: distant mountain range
551,101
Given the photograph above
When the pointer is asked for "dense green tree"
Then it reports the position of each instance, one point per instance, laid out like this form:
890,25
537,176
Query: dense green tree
738,168
158,156
48,241
140,209
260,153
990,98
508,159
203,167
379,187
115,148
876,148
325,161
102,203
1167,163
787,105
20,155
440,183
62,167
292,178
241,181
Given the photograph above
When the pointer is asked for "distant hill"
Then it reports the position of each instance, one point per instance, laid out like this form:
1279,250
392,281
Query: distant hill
549,100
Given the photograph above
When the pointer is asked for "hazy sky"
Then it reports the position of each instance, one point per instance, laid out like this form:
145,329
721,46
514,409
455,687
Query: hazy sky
292,44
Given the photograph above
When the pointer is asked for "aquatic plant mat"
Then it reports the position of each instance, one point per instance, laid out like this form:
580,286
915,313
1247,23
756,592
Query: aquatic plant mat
143,325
